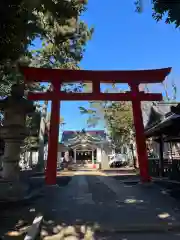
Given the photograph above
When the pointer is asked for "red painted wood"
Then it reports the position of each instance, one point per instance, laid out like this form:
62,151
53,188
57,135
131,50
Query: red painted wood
95,97
96,88
138,76
140,136
53,139
140,141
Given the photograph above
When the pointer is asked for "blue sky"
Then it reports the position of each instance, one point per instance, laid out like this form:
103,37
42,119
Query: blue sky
125,40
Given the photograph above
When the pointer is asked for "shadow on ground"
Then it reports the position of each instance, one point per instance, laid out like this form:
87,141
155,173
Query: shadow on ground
93,207
172,188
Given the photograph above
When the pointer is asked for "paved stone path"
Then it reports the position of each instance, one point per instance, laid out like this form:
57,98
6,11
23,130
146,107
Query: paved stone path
116,209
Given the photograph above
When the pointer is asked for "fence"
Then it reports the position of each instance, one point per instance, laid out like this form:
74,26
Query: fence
171,168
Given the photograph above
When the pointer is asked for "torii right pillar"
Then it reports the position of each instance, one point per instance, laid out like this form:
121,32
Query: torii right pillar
140,136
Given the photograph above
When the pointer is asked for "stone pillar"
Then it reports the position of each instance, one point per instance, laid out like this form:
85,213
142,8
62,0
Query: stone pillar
59,159
92,156
98,153
104,162
74,155
11,160
14,130
59,155
42,128
31,157
66,156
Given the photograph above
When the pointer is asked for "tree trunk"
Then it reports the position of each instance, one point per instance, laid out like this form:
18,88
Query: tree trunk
40,164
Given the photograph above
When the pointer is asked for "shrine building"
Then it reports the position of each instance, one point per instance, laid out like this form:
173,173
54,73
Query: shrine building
87,147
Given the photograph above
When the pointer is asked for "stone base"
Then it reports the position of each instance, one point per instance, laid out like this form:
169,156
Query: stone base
13,191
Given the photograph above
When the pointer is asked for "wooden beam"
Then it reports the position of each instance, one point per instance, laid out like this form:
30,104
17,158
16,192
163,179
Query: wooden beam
63,96
130,76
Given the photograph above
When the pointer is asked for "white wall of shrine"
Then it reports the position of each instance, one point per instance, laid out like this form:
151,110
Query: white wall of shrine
99,155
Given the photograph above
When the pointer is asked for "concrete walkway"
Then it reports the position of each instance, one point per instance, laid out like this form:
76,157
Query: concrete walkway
113,209
116,205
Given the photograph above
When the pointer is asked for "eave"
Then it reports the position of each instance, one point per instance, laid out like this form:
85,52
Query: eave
169,126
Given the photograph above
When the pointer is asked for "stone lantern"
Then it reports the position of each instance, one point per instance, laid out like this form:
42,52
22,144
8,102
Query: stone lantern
14,131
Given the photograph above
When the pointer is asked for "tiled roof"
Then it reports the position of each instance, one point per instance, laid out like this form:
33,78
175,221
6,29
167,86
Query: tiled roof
161,119
169,126
154,112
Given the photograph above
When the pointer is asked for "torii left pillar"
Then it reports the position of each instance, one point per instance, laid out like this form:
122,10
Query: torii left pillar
53,136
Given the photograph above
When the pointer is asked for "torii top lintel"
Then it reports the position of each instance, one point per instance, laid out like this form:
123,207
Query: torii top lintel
65,75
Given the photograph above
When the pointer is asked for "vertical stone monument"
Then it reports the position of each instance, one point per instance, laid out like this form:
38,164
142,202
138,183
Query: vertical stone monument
13,131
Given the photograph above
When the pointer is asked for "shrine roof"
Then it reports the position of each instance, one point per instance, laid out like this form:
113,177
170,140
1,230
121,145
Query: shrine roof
154,112
70,135
166,123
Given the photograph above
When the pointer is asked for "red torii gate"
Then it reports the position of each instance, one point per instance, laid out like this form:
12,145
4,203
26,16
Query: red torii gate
59,76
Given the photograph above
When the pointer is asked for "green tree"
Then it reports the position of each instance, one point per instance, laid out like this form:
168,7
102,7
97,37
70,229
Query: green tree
23,20
117,117
63,36
56,24
169,10
169,92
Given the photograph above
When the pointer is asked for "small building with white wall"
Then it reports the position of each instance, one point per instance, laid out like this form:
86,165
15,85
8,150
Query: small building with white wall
86,147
